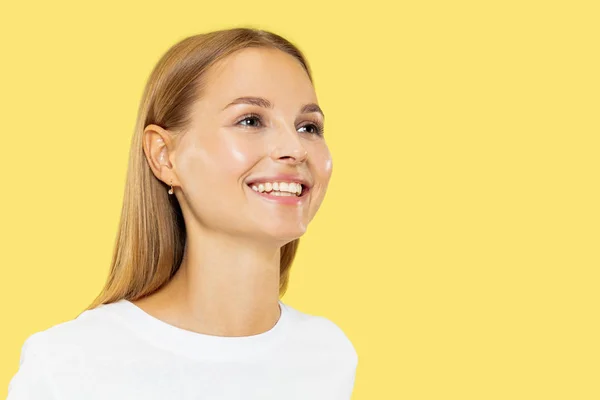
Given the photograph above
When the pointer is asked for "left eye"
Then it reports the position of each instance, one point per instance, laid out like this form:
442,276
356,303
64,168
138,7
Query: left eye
316,129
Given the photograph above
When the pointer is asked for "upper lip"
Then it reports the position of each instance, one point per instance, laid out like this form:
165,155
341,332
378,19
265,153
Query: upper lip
280,178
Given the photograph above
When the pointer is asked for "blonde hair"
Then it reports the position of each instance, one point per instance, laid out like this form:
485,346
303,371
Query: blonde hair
151,236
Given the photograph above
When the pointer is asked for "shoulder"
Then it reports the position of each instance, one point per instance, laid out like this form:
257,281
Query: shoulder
31,380
71,338
324,331
49,352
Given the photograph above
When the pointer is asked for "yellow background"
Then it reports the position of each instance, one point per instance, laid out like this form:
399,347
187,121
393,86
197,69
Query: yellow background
459,244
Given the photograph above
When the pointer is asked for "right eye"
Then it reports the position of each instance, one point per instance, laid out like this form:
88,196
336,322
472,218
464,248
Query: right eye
250,117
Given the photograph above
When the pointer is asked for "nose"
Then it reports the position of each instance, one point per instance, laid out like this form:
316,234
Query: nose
288,146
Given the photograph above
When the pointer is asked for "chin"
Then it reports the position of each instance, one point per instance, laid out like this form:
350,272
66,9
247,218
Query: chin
286,236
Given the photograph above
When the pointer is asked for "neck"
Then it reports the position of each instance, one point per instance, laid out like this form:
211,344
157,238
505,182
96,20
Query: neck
225,286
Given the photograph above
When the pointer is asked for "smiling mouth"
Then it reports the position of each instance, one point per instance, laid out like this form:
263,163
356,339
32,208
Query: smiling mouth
271,192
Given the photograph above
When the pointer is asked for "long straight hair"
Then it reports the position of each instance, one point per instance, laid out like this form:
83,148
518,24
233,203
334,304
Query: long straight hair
151,235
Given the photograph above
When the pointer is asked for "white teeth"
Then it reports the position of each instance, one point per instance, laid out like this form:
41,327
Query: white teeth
278,188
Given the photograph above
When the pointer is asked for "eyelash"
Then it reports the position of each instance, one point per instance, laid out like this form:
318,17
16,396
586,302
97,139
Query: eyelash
318,126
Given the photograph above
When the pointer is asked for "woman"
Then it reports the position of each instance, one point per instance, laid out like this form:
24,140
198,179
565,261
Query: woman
228,166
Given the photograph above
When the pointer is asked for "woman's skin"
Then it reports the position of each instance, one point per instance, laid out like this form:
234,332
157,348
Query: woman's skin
228,282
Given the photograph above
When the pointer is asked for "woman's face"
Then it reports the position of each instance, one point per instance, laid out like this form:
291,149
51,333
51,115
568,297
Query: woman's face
233,145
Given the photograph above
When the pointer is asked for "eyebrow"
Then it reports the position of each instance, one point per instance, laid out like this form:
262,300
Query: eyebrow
262,102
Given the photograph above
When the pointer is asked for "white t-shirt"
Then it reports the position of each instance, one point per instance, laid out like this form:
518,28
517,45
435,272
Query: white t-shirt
118,351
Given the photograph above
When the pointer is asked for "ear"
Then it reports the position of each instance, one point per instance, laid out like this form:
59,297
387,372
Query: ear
159,147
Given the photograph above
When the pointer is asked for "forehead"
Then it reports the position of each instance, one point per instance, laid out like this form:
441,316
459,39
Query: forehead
266,72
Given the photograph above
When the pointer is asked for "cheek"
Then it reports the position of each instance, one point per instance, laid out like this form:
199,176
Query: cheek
322,165
217,161
236,156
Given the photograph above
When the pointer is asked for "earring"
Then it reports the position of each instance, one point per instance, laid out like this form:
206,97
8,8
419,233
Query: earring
171,190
